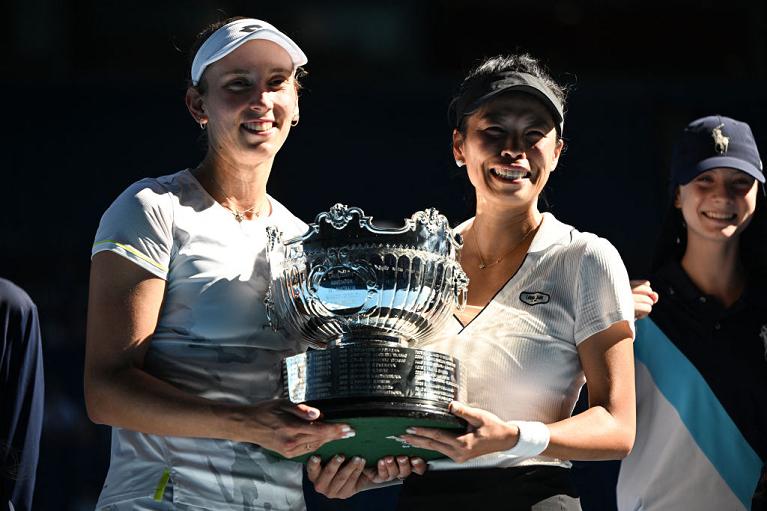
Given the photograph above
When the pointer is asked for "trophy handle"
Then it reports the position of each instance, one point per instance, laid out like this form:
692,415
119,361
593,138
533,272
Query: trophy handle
271,316
460,288
273,238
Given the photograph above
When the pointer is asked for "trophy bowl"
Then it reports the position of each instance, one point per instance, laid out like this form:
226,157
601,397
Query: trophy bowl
361,295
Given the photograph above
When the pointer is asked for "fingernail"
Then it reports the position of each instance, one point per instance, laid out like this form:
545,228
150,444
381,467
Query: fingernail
314,459
346,428
339,458
417,461
401,459
390,461
381,463
410,431
313,413
357,460
349,434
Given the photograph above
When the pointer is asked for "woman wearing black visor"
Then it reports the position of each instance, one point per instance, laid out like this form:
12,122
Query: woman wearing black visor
549,309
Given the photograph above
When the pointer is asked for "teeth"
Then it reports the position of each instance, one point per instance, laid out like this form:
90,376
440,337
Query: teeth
259,126
719,216
510,174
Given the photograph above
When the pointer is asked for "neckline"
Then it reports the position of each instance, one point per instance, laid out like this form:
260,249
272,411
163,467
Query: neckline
550,233
540,231
492,299
680,282
227,211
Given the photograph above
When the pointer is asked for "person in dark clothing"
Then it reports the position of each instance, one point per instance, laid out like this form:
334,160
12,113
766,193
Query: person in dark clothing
21,397
701,355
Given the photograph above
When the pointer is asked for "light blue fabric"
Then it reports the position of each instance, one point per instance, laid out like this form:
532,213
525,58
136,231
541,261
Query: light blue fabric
701,412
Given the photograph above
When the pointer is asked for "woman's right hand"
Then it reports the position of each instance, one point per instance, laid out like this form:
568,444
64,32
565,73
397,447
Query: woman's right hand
286,428
644,298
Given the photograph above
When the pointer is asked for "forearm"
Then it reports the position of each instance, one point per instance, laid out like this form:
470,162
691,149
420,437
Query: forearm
123,312
133,399
595,434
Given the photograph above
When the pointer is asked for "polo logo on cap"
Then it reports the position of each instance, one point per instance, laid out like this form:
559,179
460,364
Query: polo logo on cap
536,298
721,142
251,28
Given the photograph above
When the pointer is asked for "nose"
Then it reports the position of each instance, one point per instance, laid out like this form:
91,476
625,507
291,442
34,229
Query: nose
512,147
723,192
261,100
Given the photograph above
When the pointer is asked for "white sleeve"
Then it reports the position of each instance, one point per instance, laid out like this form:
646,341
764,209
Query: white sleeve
138,226
603,297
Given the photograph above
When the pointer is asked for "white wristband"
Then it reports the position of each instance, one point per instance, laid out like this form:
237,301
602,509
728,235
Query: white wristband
533,439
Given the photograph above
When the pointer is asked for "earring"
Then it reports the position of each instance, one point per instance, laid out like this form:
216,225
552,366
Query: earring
203,124
294,122
460,163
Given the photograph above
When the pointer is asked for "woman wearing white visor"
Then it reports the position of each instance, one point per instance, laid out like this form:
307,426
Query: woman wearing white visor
179,360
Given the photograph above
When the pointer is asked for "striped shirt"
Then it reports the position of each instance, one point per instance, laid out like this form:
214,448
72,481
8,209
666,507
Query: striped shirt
701,374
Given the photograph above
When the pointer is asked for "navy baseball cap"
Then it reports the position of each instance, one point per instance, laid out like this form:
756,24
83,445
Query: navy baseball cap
712,142
477,91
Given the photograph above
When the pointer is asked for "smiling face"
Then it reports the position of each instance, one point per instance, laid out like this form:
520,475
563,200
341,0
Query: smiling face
718,204
510,146
249,101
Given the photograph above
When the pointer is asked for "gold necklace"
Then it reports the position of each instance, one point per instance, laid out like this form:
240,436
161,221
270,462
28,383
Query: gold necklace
482,263
239,215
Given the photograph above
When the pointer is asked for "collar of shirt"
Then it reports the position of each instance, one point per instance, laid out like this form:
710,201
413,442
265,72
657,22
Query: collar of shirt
673,280
551,232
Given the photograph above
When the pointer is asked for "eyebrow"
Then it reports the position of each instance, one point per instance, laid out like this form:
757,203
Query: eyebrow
529,116
240,72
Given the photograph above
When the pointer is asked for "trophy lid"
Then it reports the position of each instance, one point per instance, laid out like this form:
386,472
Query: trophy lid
343,225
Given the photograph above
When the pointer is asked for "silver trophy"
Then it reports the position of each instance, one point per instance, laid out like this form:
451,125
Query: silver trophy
361,295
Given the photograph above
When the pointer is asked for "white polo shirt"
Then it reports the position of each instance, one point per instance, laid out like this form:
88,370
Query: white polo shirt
519,354
212,340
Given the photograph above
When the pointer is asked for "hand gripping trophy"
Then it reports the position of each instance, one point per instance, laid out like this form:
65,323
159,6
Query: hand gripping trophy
361,295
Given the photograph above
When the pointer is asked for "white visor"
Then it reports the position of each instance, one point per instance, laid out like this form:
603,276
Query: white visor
233,35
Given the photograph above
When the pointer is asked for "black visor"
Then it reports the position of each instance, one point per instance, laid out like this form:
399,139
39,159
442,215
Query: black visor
474,93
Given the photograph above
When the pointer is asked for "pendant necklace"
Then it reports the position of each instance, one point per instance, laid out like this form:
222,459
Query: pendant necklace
239,215
482,263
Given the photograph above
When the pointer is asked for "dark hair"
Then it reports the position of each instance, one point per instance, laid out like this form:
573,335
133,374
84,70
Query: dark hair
205,34
672,241
520,63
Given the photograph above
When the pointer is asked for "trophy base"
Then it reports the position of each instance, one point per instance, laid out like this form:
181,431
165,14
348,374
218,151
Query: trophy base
379,390
378,429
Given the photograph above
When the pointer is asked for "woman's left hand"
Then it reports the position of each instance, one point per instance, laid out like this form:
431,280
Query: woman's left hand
340,479
486,433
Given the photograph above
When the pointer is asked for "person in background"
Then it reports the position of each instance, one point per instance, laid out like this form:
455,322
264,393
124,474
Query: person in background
21,397
701,354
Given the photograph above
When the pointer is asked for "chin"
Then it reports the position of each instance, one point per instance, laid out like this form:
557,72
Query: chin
514,198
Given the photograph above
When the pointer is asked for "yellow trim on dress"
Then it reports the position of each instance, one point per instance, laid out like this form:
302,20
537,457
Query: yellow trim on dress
160,490
133,251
